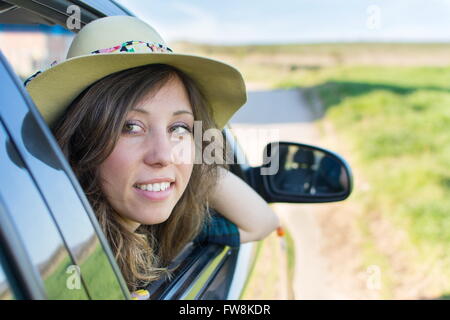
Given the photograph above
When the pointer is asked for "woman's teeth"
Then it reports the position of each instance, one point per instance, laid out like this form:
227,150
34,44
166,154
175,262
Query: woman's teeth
154,186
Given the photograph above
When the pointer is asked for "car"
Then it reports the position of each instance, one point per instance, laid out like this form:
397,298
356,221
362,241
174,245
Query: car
51,244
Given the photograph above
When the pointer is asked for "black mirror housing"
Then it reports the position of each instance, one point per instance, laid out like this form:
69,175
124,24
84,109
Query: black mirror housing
299,173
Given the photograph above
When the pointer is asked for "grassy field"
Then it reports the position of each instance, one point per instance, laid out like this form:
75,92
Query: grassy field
311,64
391,105
56,284
396,120
96,272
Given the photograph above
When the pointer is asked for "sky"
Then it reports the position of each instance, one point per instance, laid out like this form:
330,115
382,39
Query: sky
294,21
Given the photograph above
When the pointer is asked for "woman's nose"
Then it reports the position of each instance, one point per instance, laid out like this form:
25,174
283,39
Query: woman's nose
158,149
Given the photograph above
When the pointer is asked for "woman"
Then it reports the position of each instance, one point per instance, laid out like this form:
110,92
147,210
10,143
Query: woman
124,108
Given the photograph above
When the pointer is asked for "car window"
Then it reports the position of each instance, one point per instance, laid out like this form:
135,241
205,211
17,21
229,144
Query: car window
32,222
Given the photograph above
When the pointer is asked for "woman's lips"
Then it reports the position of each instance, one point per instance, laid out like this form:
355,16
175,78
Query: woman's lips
156,195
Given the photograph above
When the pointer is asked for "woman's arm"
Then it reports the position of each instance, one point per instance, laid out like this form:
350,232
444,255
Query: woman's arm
240,204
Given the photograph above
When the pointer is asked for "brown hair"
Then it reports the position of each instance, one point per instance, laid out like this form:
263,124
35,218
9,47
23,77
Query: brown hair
87,133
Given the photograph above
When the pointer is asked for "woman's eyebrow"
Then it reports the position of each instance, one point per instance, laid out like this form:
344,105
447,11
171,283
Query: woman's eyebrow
175,113
181,112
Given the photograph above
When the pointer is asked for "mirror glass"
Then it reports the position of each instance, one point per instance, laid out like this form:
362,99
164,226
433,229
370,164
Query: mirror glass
308,171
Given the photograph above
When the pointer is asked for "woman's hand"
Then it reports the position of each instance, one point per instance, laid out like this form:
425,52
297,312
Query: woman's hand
239,203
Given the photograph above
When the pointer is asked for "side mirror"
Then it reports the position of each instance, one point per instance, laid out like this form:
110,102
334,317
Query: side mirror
300,173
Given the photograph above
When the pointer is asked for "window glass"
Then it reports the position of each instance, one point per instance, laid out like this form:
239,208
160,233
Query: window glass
32,221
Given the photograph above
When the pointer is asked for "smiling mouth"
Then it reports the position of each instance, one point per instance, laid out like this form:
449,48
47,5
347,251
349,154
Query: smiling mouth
154,187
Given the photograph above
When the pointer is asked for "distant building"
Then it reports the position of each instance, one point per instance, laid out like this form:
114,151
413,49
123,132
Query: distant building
32,48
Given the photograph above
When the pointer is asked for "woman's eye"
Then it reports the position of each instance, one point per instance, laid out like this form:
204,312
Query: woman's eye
132,128
181,129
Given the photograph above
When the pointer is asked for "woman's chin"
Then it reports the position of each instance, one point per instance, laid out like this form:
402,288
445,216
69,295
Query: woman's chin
154,217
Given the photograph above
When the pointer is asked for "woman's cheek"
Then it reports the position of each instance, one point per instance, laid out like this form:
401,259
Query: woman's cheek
186,172
183,151
116,169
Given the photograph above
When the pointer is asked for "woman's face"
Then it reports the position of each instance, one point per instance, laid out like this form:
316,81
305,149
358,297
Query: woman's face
155,151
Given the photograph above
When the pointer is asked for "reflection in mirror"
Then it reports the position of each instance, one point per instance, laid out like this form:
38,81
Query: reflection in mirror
307,171
35,227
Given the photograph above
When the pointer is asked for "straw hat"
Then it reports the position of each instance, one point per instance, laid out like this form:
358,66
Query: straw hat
116,43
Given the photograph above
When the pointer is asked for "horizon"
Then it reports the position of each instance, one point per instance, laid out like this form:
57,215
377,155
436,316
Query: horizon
313,43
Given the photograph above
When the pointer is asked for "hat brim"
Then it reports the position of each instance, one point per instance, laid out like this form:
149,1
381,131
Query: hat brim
54,89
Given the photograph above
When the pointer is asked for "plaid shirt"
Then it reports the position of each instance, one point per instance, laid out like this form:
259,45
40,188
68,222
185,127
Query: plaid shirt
219,230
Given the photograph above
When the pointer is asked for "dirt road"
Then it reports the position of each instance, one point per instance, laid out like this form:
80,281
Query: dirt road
286,115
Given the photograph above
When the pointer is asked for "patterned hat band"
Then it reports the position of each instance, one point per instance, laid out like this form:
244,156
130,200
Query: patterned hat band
128,46
137,47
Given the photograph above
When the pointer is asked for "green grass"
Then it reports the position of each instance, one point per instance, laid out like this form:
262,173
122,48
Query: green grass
341,49
97,275
56,284
397,122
